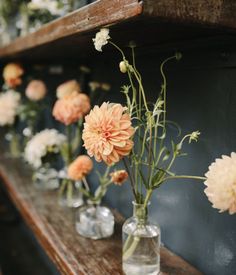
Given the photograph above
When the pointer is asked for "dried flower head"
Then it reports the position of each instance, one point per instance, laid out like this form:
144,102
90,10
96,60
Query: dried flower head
67,88
80,167
119,177
9,104
71,108
36,90
12,73
101,39
221,183
194,136
108,133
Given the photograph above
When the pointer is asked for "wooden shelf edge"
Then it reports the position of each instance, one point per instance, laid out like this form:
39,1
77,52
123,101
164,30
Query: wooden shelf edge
30,217
91,17
202,13
218,13
63,258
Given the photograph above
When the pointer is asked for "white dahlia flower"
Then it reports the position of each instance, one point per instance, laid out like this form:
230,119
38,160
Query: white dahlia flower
9,103
41,143
221,183
101,39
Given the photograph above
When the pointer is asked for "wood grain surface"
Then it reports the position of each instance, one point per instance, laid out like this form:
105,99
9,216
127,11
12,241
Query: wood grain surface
54,229
147,22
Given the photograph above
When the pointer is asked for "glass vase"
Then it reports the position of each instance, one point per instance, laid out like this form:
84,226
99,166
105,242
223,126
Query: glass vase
14,144
141,244
46,177
69,192
95,221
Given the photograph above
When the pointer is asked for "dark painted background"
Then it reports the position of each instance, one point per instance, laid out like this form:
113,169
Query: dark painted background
201,96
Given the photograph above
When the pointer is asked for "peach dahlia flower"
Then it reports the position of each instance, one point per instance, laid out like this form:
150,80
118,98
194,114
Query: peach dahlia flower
221,183
119,177
67,88
71,108
80,167
107,133
36,90
12,73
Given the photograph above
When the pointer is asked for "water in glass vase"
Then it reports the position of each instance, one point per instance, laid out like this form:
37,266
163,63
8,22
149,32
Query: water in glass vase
95,222
141,245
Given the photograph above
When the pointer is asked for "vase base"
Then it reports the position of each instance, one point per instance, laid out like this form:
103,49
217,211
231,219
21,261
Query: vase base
49,185
73,203
139,269
95,222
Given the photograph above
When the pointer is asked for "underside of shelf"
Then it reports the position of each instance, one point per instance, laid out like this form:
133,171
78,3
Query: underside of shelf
147,22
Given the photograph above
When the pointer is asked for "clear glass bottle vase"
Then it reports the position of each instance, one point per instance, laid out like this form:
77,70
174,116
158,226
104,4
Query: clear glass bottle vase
141,244
69,192
46,177
95,221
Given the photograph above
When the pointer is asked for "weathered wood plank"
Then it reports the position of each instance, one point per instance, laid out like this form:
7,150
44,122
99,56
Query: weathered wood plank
88,18
54,228
219,13
72,34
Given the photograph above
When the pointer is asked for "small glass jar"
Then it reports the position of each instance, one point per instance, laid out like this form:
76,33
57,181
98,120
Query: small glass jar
69,192
14,144
141,244
46,177
95,221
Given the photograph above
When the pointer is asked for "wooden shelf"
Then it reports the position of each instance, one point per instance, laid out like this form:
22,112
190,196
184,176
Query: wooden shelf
147,22
54,228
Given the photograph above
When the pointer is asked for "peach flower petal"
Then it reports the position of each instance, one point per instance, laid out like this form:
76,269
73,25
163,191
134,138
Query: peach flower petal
107,133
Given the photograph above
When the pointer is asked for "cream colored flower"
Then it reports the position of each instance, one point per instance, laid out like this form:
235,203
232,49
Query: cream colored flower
221,183
38,146
36,90
101,39
68,87
9,104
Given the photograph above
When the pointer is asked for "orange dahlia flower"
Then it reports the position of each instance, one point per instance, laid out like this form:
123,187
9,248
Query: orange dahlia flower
12,73
80,167
71,108
119,177
107,133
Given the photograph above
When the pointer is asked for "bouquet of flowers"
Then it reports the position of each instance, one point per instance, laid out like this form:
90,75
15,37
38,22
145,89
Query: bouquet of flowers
10,102
137,134
93,220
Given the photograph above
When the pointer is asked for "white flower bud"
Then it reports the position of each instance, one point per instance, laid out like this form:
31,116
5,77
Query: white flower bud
123,67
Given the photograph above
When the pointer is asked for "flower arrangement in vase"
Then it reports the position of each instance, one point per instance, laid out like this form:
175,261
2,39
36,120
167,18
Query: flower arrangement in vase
70,108
42,152
94,220
10,102
32,107
137,134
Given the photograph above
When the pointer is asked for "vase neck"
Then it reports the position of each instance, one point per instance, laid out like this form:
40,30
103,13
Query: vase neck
140,212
